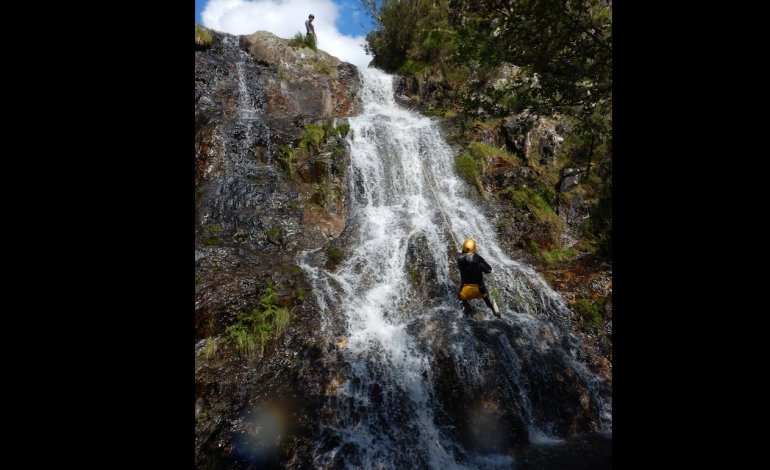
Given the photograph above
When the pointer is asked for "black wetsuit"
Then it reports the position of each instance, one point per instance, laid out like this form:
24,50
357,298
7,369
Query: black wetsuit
472,269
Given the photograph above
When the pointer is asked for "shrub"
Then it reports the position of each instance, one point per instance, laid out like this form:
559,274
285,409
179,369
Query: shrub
252,332
315,136
302,40
467,168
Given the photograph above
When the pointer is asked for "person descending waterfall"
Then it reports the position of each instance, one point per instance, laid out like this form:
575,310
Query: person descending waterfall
472,269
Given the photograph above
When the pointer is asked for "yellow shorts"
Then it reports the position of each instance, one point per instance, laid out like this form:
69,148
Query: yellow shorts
471,291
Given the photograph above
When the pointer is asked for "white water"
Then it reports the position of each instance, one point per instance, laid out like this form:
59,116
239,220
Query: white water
250,114
403,187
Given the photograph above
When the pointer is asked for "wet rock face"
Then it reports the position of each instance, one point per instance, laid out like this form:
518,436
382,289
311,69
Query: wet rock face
250,217
422,270
243,207
254,95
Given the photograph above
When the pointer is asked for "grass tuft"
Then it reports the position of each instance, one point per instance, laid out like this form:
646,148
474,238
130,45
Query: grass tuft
203,39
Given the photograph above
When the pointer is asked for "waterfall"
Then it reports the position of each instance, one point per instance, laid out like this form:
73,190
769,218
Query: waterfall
250,128
388,407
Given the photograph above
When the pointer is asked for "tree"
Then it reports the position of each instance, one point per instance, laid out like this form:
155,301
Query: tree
407,32
563,47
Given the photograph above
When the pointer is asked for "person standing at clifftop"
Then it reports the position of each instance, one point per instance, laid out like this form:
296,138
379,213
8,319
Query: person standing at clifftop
309,26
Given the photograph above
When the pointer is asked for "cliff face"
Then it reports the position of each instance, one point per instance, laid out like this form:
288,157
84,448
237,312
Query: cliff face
269,168
270,161
300,81
257,202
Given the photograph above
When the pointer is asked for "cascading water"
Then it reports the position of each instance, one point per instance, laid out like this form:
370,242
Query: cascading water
237,180
423,386
251,131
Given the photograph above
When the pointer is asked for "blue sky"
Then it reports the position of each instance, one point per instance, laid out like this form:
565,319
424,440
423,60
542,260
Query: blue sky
337,22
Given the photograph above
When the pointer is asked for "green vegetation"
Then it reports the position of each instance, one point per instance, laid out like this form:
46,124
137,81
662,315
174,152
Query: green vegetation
302,40
282,319
468,169
470,166
274,234
342,128
214,228
211,241
546,244
210,350
288,160
486,154
322,66
315,136
203,38
528,200
431,111
329,190
556,256
307,147
589,312
296,269
335,254
410,37
328,193
563,49
253,331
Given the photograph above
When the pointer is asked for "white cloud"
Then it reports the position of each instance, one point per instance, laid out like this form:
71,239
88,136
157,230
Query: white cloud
285,18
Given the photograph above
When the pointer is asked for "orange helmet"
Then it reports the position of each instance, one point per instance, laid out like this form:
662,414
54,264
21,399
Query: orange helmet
469,246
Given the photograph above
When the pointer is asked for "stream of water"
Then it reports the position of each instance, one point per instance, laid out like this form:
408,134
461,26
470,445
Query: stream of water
384,411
